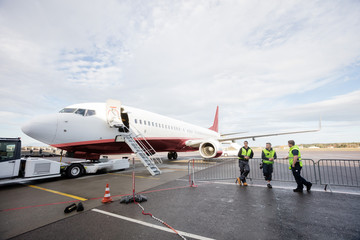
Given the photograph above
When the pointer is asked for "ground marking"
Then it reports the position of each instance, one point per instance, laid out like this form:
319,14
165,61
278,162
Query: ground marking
127,175
276,187
57,192
190,235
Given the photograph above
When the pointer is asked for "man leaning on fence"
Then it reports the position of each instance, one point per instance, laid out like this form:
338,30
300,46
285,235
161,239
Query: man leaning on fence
268,155
296,166
244,155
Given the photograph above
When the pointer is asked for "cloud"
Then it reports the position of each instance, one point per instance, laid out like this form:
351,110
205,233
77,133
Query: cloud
181,58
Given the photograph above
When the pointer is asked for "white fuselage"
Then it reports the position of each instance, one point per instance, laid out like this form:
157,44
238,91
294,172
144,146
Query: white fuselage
83,128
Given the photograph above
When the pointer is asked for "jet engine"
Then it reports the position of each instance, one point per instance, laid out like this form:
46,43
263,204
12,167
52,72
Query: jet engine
210,149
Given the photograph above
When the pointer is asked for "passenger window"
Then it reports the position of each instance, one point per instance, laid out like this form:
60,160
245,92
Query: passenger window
80,111
153,124
90,113
144,122
140,121
135,121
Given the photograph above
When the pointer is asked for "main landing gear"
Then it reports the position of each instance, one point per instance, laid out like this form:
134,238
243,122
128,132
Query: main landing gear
172,155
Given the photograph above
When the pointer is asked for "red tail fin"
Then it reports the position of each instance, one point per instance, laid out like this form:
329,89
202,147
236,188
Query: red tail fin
215,126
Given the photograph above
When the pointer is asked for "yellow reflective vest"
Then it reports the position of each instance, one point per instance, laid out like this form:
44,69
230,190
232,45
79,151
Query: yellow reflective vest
245,152
291,156
268,154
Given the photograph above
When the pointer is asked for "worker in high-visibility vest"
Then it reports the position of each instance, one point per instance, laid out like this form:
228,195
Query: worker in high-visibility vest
296,166
268,156
245,153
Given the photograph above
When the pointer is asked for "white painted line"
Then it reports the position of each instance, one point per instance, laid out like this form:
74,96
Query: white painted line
165,229
276,187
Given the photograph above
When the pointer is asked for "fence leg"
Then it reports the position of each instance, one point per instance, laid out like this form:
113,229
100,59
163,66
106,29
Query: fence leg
326,186
192,184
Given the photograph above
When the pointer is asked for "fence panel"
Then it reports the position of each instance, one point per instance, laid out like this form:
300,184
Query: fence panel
228,168
339,172
213,169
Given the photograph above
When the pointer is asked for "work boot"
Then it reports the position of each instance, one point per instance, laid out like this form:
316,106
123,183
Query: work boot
70,208
269,185
245,184
238,181
80,207
297,190
308,187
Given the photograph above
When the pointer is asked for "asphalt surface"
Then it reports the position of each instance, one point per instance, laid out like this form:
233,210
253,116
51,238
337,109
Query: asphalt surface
219,211
24,208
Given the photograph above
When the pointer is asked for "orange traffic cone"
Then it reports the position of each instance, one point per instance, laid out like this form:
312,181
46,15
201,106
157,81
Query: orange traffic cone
107,197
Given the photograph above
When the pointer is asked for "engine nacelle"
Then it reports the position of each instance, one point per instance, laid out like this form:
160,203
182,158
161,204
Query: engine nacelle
210,149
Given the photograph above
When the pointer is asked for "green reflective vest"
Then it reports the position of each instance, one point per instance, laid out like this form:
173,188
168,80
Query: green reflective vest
291,156
268,154
245,152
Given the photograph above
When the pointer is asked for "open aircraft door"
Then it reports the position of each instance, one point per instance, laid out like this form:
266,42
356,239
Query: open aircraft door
113,113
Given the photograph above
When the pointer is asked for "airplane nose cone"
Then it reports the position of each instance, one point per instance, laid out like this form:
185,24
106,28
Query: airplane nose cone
42,128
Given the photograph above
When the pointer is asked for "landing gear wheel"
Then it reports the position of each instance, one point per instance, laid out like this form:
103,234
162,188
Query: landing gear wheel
74,171
172,155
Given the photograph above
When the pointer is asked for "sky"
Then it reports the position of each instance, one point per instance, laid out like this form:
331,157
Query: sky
271,66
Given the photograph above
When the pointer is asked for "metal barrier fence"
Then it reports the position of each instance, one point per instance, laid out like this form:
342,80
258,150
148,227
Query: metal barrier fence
333,172
281,171
339,172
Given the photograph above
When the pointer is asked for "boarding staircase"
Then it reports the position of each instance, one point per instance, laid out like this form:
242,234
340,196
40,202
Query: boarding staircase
141,148
133,138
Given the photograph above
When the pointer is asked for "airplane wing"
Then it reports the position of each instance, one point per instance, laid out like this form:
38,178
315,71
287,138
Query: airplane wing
268,135
229,134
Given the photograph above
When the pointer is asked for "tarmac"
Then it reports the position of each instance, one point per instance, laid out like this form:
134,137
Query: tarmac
212,210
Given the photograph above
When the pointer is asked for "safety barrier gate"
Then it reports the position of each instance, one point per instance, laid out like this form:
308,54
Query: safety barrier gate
328,172
339,172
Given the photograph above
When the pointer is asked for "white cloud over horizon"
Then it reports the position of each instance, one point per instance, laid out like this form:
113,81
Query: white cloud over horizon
281,63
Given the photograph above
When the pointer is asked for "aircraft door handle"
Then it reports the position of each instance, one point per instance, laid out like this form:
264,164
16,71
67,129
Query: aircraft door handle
11,162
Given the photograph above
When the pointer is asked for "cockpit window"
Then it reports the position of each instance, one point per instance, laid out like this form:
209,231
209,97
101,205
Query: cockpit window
80,111
68,110
90,112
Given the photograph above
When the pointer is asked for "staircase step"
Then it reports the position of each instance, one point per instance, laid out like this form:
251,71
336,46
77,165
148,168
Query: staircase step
144,151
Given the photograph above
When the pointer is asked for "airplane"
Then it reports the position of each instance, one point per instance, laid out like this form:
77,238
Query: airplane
87,131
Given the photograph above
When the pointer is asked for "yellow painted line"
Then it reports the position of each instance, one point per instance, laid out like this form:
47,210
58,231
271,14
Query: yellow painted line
57,192
126,175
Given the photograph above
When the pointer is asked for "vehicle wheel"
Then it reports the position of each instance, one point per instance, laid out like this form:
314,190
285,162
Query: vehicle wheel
74,171
170,155
175,155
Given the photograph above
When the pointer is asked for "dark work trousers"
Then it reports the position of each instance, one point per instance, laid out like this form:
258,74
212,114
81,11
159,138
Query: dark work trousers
299,180
267,170
244,169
